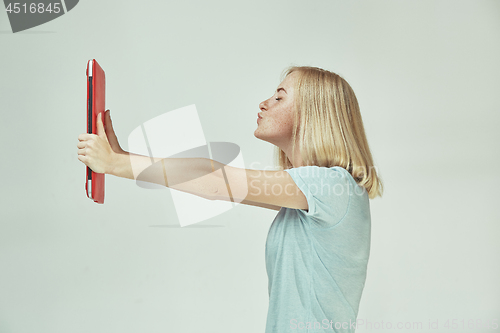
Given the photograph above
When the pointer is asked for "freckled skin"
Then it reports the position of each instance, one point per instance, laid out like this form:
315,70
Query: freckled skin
277,118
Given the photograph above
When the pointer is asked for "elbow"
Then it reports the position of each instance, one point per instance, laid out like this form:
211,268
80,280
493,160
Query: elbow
211,193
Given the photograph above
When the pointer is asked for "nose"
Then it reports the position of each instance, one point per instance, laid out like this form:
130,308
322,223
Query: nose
263,106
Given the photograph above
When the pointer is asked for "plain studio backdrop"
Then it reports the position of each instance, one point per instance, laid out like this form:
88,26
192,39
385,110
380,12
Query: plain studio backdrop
427,77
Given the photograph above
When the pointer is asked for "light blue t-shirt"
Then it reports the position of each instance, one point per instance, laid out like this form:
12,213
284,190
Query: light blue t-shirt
316,260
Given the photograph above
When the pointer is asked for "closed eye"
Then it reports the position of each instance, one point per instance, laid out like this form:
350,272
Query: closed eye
278,98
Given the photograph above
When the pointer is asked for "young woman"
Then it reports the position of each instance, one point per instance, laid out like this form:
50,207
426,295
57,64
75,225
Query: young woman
318,245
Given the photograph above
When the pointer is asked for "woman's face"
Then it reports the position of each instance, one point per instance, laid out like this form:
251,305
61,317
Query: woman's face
276,123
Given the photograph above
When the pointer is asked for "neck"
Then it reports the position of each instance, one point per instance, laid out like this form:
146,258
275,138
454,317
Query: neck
297,161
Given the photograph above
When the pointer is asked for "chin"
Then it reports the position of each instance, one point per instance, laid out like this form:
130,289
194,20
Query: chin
259,136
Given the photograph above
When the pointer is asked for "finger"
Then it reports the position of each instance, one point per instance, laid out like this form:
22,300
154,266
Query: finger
112,139
82,158
84,136
100,127
81,144
108,124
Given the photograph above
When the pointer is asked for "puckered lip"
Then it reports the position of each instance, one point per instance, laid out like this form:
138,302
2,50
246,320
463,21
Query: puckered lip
258,114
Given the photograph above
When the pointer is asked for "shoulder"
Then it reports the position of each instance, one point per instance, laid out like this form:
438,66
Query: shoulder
331,193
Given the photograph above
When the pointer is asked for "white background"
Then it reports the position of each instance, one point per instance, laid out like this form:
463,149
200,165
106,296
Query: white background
427,77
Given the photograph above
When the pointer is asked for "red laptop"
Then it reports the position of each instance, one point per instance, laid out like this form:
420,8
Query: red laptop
96,83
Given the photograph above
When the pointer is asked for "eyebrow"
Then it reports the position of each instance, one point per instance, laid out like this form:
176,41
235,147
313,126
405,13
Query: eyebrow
281,88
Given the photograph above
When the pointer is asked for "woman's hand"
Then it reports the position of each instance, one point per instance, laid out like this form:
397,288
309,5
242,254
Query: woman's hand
95,150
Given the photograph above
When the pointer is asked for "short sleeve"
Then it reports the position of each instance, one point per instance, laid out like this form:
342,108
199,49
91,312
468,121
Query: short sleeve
327,191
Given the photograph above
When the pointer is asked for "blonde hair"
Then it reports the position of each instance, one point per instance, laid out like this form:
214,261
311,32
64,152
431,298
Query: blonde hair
329,126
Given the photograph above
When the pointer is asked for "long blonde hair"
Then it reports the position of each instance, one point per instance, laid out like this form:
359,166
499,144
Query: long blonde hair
328,122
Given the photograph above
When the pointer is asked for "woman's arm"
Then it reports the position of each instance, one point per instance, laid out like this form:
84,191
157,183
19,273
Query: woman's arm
190,175
199,176
123,168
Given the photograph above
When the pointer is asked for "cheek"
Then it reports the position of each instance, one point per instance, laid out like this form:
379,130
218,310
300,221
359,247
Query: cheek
284,123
